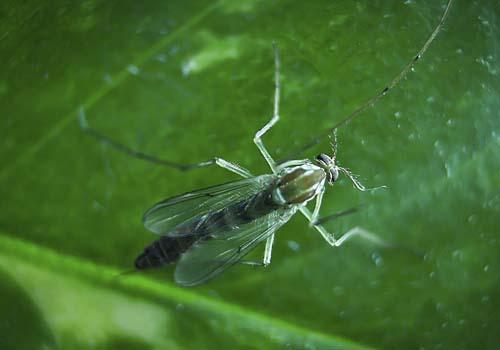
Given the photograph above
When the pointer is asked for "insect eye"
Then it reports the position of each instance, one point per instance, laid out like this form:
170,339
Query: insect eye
323,158
334,172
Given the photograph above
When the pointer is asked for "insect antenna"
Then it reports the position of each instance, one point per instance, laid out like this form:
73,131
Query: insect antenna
357,184
374,99
334,143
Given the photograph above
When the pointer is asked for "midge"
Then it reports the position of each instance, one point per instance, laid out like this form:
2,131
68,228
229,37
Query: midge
206,231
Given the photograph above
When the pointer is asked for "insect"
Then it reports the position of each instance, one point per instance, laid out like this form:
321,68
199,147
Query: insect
206,231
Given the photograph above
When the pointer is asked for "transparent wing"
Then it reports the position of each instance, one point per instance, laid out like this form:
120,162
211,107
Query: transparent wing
212,255
164,216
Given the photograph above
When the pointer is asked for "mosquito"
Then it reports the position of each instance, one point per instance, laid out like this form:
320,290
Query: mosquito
208,230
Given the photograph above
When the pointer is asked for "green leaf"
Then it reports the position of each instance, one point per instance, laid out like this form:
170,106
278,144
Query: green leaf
91,305
190,80
20,316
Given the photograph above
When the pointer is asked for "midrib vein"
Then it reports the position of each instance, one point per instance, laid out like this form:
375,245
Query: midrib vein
79,268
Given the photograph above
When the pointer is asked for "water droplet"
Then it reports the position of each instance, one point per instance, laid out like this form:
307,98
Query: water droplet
484,22
107,78
438,145
439,307
173,50
377,259
97,206
161,57
134,70
472,219
495,136
293,245
188,67
374,283
337,290
448,170
458,254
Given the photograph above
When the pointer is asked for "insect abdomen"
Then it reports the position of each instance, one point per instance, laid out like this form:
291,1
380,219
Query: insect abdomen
238,214
169,248
163,251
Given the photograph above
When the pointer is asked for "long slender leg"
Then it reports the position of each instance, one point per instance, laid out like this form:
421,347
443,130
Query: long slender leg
334,216
251,262
361,232
267,254
356,231
257,139
295,162
235,168
268,251
317,207
324,233
383,92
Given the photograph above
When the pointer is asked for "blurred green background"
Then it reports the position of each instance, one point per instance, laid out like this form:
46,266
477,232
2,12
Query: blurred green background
188,80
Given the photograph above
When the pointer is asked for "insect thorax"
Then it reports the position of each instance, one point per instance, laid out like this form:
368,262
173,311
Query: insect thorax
300,184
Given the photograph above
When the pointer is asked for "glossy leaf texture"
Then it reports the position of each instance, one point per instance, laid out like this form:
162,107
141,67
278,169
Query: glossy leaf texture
189,80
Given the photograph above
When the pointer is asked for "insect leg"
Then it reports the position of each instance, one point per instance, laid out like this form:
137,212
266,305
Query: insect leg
257,139
267,254
268,250
330,238
233,167
317,207
152,159
370,102
324,233
361,232
334,216
251,263
295,162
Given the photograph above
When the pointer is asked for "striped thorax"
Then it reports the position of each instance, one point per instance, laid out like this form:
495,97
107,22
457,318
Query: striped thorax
298,185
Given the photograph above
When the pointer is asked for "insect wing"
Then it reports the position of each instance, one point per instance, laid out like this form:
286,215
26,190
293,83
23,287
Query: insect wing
212,255
164,216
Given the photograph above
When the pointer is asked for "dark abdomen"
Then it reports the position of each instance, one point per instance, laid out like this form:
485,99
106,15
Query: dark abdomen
163,251
168,249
